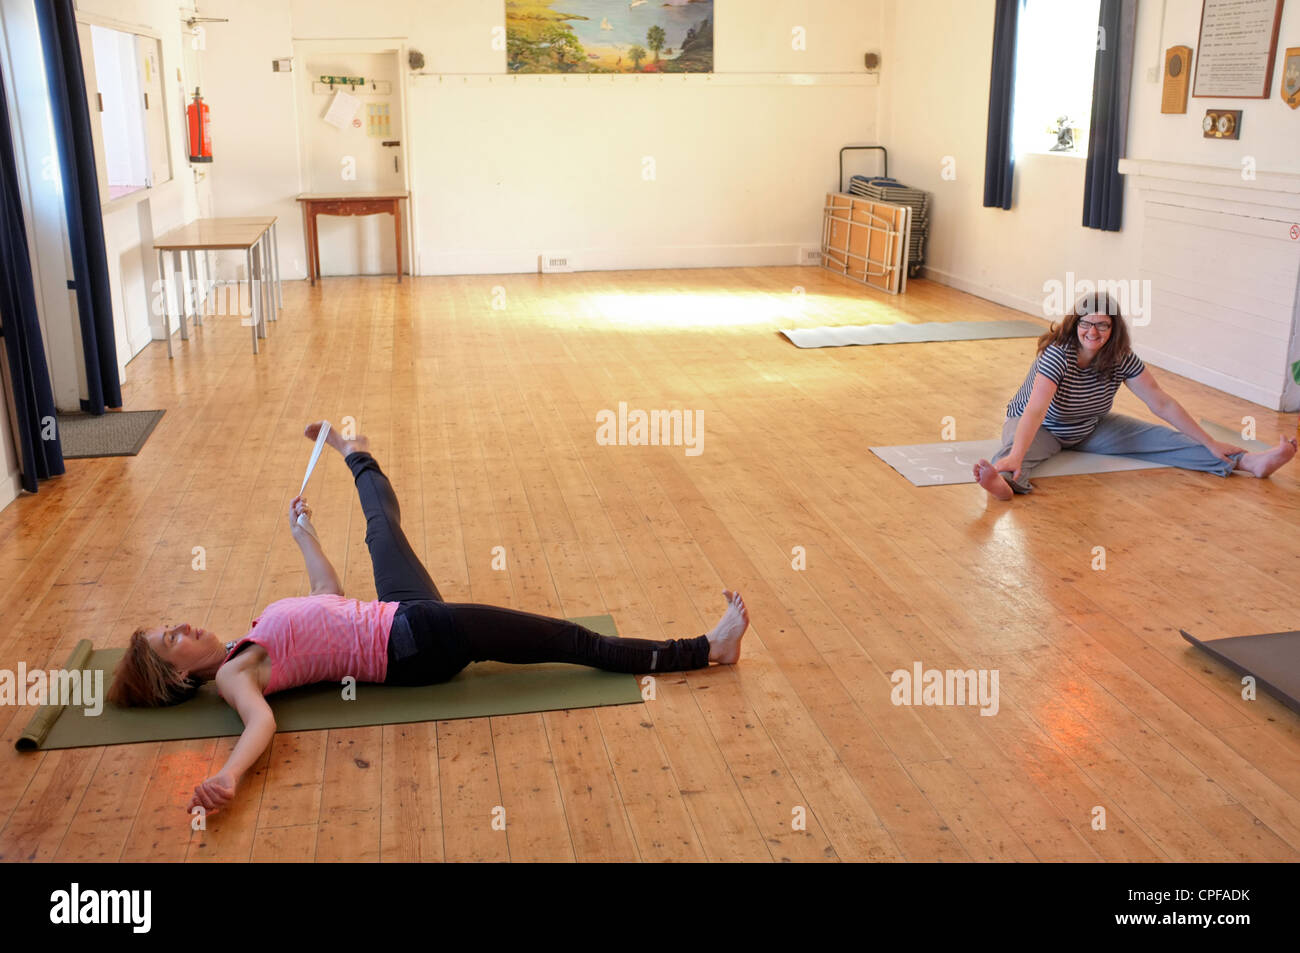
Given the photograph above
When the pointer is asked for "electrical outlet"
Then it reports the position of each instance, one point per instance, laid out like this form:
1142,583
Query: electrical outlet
556,261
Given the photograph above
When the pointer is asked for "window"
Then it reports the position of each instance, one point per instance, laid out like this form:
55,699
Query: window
128,116
1056,52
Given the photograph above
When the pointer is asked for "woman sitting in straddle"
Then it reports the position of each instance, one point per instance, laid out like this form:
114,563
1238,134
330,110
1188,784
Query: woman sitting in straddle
1065,404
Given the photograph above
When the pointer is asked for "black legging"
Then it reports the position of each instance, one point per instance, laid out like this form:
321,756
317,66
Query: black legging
432,640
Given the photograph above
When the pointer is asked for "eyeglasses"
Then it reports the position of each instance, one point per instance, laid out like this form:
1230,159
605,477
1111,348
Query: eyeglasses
1101,327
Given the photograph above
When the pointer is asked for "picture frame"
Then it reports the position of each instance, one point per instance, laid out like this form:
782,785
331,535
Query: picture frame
1236,49
1289,87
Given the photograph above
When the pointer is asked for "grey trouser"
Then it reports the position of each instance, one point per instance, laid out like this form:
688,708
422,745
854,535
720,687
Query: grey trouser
1120,435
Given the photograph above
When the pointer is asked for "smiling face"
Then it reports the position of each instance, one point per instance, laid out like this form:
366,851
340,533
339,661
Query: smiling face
1094,331
185,646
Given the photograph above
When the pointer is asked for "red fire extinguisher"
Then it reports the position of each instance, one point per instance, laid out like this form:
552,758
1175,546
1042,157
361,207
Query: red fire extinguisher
200,130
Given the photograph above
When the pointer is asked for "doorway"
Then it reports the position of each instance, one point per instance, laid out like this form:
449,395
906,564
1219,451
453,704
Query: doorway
352,140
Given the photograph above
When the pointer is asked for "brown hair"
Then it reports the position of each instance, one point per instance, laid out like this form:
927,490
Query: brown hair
144,679
1117,345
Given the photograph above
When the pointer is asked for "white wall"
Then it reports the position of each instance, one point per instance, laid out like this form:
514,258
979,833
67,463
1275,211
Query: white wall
131,224
1006,256
505,167
1270,129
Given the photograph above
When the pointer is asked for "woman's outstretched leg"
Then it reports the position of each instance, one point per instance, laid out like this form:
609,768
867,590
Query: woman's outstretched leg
399,574
1128,436
490,633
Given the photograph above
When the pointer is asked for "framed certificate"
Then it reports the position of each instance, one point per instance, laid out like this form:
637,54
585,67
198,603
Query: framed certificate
1234,58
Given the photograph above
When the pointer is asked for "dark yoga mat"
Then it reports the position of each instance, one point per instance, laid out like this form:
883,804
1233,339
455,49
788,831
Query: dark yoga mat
483,688
1273,660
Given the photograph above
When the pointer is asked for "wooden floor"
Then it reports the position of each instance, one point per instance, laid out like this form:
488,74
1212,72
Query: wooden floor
480,396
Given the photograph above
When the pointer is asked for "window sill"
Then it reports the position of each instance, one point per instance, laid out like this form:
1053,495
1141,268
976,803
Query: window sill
131,198
1061,155
124,201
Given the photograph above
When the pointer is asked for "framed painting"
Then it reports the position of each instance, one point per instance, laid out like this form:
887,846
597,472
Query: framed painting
609,36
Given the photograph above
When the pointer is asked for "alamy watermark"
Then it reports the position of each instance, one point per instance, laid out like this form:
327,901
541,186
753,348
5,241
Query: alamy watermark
57,686
654,428
77,905
1131,297
227,297
932,686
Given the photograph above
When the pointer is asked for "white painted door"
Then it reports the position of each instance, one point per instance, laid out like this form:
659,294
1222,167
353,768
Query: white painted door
365,155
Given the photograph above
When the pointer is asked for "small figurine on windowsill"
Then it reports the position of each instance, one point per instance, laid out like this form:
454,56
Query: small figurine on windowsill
1064,135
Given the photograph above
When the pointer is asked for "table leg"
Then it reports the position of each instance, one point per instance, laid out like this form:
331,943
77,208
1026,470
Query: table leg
182,306
209,281
193,292
166,311
397,222
306,241
275,260
268,275
315,242
265,268
261,292
252,300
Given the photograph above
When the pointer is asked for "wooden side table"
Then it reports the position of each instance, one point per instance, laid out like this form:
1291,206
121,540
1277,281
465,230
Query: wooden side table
345,203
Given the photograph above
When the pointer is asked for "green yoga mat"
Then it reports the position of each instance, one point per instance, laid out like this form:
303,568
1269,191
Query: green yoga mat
484,688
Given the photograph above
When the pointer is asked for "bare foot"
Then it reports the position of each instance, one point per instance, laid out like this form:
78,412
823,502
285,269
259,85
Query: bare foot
1263,462
724,638
335,439
992,481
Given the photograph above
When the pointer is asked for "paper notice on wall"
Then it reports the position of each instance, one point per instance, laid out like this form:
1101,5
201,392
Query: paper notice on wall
342,108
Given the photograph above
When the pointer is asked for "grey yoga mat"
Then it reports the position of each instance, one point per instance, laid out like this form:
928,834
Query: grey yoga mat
1273,660
904,333
949,462
484,688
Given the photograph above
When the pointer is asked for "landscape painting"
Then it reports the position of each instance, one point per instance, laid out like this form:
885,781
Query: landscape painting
609,36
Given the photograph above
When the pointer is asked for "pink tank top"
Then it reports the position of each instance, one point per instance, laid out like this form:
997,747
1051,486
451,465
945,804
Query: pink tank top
322,639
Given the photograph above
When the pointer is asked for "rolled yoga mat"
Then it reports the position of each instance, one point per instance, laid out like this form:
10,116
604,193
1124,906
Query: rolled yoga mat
949,462
483,688
904,333
1273,660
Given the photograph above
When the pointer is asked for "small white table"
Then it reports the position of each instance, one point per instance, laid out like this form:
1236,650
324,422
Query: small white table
255,237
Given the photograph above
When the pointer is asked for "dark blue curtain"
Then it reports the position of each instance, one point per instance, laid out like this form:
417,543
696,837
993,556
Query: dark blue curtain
71,114
20,327
999,159
1103,186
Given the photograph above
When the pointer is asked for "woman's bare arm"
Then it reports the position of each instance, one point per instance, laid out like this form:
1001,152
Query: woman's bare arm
324,580
1164,406
1040,398
239,687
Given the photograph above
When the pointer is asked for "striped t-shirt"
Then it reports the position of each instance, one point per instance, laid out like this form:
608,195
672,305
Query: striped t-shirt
1081,399
322,639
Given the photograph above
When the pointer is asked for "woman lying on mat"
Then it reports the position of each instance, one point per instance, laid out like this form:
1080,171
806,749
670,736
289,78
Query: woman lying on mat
1065,403
409,636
